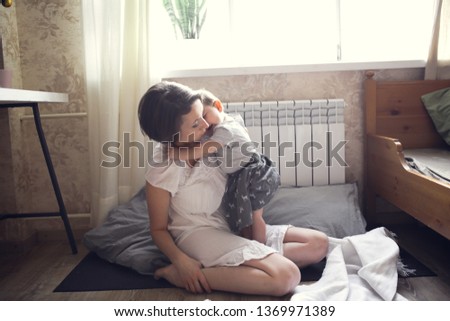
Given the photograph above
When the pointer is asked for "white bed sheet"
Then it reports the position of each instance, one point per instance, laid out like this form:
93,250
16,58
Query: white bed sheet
359,268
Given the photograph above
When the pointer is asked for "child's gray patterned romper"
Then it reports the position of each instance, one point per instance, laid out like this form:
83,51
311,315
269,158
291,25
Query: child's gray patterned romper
252,179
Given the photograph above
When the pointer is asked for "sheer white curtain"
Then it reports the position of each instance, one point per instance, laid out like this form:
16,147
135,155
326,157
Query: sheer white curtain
438,64
117,52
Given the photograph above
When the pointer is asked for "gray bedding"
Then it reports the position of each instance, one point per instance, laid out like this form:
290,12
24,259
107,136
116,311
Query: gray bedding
124,238
430,161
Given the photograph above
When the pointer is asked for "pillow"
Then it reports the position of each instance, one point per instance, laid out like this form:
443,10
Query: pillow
332,209
124,238
437,104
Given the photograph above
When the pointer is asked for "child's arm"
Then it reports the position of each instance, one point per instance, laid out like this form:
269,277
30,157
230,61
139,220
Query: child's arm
194,153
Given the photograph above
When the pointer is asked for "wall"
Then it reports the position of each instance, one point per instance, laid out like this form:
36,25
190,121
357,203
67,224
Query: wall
9,34
44,47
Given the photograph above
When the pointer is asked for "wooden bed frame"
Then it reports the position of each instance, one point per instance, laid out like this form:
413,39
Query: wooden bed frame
395,120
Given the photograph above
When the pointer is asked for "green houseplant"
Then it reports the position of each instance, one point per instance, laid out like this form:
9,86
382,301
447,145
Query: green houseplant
186,15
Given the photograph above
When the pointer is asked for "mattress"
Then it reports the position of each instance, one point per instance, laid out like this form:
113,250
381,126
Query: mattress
430,161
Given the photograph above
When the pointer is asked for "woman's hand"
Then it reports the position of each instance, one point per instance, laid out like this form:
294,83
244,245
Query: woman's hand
191,275
247,232
183,153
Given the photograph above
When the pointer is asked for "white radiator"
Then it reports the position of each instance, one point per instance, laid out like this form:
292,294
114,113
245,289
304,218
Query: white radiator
305,138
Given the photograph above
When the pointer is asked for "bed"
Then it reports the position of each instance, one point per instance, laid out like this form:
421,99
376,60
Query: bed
398,122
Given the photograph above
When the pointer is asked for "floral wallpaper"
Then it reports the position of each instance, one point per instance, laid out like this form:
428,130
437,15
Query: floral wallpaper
44,48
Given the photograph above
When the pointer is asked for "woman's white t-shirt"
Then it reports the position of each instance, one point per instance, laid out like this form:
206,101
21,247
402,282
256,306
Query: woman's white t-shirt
195,220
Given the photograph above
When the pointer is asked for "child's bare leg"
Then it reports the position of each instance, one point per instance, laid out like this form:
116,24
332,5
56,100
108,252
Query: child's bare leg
259,226
305,246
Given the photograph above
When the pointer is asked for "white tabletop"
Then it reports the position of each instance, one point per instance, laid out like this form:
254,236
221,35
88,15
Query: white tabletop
11,96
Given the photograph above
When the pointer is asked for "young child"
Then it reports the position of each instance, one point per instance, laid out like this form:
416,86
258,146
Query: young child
252,180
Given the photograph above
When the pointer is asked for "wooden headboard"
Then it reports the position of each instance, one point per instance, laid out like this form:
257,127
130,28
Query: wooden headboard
395,109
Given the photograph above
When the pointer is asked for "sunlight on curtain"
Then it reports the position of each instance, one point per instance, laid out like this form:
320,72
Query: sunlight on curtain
438,64
117,52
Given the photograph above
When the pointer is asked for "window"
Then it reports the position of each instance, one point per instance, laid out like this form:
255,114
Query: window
249,33
386,29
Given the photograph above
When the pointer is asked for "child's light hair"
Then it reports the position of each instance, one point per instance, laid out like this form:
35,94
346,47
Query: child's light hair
208,99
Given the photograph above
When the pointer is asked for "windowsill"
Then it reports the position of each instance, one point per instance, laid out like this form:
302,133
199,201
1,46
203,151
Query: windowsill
313,67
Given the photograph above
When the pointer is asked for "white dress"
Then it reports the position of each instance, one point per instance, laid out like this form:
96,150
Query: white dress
195,221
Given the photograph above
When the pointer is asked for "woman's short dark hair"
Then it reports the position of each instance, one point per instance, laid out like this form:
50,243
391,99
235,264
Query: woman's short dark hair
161,108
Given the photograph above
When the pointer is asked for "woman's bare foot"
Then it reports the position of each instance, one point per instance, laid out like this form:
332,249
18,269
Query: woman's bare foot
169,273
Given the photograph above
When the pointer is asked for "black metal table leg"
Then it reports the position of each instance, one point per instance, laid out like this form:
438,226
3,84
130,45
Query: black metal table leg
51,170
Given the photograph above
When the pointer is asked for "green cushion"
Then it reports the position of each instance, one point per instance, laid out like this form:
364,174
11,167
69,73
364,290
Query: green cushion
437,104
